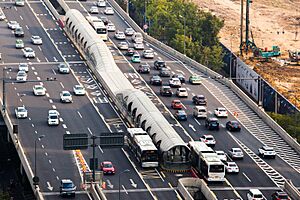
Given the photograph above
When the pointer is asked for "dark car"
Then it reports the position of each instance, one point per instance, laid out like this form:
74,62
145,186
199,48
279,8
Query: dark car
130,52
180,77
212,123
19,32
144,69
199,100
279,195
166,91
158,64
233,126
164,72
181,115
155,80
67,188
105,20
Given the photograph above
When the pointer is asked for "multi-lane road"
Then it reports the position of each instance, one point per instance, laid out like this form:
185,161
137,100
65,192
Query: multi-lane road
94,114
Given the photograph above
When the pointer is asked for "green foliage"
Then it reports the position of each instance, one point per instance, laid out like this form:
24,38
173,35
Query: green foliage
4,196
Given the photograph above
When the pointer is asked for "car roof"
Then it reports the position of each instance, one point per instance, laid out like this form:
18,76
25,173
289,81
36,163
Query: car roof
107,162
255,191
212,119
268,147
66,181
208,136
236,148
219,151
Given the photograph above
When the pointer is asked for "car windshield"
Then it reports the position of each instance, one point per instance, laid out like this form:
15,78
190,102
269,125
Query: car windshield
283,196
257,196
53,117
231,165
209,138
67,185
237,150
66,94
216,168
21,110
108,165
79,88
39,87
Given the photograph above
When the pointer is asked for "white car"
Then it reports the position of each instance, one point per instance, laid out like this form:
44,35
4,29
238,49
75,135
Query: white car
129,31
222,155
236,153
255,194
175,82
35,39
63,68
28,52
94,10
19,44
66,97
19,2
21,76
109,11
53,117
221,112
138,46
39,90
209,140
267,151
13,25
111,27
23,67
101,3
182,92
231,167
79,90
123,45
148,53
119,35
21,112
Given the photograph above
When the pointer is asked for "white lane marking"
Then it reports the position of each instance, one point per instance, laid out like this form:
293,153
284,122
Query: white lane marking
43,146
53,169
64,126
35,73
38,78
53,71
21,17
197,122
46,154
61,84
50,101
54,107
247,177
79,114
50,161
47,95
40,48
29,118
27,27
46,59
124,189
15,88
35,132
68,132
21,100
159,175
32,125
57,177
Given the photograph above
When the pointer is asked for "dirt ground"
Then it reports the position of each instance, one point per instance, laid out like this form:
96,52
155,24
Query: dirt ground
273,22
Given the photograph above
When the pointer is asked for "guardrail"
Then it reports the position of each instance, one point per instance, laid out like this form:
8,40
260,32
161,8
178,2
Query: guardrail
212,74
291,190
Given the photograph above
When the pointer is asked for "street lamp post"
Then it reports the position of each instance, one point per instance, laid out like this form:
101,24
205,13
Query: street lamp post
35,178
125,171
3,88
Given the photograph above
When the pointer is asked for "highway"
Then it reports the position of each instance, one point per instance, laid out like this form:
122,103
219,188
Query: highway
94,114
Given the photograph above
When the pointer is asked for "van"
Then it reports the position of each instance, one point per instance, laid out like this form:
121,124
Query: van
53,117
255,194
200,112
137,37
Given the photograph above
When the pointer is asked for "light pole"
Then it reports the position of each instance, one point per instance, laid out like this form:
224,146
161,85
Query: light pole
3,89
184,23
35,178
230,64
125,171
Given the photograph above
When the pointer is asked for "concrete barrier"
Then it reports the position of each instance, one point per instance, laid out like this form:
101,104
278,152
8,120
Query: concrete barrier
291,190
211,74
94,192
100,192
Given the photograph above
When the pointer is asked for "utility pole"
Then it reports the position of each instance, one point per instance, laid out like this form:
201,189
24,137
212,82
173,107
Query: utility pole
247,25
242,20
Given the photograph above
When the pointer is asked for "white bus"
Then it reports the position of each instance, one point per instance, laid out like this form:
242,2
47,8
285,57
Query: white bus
143,147
99,26
206,162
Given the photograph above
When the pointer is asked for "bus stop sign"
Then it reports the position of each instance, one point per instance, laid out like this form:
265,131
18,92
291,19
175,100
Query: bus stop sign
75,141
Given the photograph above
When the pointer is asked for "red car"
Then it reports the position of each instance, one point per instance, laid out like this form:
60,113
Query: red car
107,167
176,104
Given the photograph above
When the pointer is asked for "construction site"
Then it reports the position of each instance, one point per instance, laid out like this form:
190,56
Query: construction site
269,41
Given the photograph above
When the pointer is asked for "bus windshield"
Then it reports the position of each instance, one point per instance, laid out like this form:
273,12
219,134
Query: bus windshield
216,168
149,156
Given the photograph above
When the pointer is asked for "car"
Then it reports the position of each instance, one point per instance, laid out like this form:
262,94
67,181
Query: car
101,3
233,126
181,115
138,46
104,20
255,194
79,90
66,97
231,167
136,58
19,32
148,53
130,52
176,104
279,195
164,72
35,39
137,37
199,112
195,80
159,64
129,31
155,80
180,77
107,167
13,25
236,153
199,100
109,11
175,82
182,92
2,15
53,117
119,35
222,155
123,46
144,69
19,44
63,68
110,27
23,67
212,123
19,2
209,140
39,90
94,10
28,52
266,151
166,91
21,112
21,76
67,188
221,112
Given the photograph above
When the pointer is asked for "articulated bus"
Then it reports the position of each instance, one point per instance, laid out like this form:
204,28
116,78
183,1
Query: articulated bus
99,26
206,162
143,147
